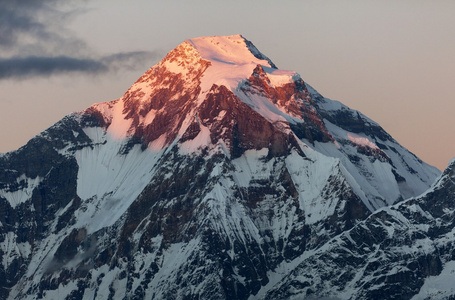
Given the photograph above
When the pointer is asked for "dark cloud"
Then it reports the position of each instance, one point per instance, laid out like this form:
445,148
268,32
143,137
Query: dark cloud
28,22
25,67
33,66
34,41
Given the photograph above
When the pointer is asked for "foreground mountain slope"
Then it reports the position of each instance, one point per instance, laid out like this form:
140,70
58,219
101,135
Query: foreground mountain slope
212,177
400,252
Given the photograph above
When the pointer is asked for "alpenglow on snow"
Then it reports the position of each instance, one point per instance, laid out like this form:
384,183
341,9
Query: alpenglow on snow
215,176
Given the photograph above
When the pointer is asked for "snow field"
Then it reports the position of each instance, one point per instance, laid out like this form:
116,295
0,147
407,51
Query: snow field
310,178
109,182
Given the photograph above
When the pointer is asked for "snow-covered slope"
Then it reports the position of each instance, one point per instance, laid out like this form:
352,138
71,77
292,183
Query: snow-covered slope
212,177
402,251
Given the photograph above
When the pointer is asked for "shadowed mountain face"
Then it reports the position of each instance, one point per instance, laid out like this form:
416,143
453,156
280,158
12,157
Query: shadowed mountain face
217,176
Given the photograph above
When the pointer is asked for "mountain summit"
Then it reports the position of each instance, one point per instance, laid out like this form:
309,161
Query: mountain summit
187,81
222,93
215,176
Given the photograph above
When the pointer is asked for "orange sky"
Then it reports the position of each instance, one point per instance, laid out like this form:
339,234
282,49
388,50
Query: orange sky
392,60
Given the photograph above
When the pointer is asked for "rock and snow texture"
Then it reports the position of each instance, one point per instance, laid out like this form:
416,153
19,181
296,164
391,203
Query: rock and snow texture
216,176
401,251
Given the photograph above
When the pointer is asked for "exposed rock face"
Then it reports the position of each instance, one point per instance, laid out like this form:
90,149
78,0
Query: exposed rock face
217,176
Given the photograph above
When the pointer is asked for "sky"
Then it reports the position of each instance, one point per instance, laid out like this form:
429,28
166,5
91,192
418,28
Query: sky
394,61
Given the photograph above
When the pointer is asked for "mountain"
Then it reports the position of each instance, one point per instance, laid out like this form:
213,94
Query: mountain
215,176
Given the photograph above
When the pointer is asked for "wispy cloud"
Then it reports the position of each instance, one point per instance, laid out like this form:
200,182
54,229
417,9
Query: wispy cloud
35,41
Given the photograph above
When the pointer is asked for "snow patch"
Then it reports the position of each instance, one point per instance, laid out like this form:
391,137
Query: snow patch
62,291
266,108
119,127
150,117
12,249
75,133
200,141
440,286
280,77
251,166
158,144
361,141
22,194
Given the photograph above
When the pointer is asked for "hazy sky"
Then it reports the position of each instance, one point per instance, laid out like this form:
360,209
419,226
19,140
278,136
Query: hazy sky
392,60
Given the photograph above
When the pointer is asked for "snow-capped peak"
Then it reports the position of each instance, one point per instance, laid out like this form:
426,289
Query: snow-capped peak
182,80
231,50
232,60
